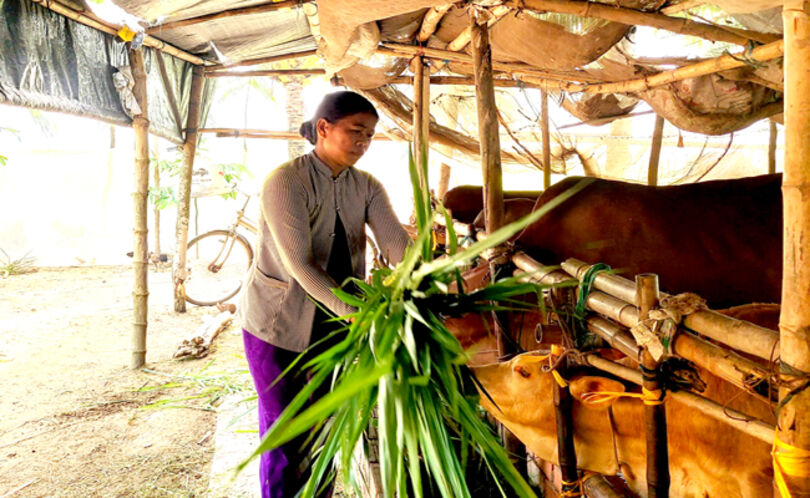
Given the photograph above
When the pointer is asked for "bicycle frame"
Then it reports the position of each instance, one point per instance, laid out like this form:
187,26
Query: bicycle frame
241,221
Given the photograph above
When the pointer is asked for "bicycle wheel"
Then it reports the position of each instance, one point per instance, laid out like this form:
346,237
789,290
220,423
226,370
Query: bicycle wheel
217,263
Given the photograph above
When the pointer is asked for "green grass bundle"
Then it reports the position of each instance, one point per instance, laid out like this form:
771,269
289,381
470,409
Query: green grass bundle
397,356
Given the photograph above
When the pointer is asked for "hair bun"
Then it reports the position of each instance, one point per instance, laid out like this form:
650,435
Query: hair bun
307,130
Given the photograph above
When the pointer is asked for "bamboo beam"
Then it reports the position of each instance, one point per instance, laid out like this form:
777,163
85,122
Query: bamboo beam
655,151
431,21
740,421
421,118
140,291
794,320
463,39
487,124
271,134
264,60
451,80
546,139
240,11
772,147
638,18
167,86
149,41
266,72
184,190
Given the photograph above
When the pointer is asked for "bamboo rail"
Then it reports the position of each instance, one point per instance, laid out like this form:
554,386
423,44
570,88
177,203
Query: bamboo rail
264,60
638,18
266,72
451,80
794,320
240,11
740,421
149,41
184,190
140,290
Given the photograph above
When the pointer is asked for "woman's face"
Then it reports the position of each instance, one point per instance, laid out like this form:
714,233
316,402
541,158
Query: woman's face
345,141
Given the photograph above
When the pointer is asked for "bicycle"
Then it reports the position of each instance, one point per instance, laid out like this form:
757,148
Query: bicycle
215,272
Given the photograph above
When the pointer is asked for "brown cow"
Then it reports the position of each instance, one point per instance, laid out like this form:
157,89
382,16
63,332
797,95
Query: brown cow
467,201
707,457
721,239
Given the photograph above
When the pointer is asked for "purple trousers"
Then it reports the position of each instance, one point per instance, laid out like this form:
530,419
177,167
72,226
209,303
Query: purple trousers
280,470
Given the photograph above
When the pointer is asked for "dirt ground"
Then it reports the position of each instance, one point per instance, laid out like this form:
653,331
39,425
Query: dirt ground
74,419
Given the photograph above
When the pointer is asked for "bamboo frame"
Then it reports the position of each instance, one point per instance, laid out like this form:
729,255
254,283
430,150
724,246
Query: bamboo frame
264,60
266,72
149,41
740,421
184,190
772,147
463,39
794,320
140,291
164,76
240,11
451,80
431,20
655,151
635,17
421,118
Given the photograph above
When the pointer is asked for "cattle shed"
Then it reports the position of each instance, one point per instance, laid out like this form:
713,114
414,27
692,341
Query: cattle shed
163,55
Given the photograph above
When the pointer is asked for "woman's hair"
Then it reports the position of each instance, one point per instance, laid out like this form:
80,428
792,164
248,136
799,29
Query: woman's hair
334,107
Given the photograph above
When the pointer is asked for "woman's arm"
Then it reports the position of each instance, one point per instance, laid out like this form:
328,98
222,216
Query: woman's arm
391,237
284,209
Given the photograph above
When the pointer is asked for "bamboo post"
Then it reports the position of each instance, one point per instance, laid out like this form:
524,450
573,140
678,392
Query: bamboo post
184,190
647,295
655,151
793,423
444,180
140,291
421,116
566,453
772,147
546,139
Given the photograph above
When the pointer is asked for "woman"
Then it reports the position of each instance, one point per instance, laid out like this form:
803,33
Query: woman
311,238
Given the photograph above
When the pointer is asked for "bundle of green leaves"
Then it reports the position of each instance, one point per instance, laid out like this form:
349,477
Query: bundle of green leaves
396,355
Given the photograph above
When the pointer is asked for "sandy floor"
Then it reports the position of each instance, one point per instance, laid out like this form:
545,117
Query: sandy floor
74,420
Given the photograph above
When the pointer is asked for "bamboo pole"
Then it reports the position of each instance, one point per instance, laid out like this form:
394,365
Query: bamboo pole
772,147
167,86
647,295
463,39
737,334
149,41
184,190
276,73
682,6
421,118
240,11
271,134
638,18
655,151
431,21
596,486
740,421
444,180
264,60
140,291
794,320
546,139
487,124
566,452
451,80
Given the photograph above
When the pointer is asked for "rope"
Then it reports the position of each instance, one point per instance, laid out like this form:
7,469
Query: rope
788,460
649,398
585,286
575,488
556,353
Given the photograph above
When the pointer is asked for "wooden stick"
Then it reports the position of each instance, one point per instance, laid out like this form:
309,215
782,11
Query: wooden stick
140,291
444,180
167,86
566,452
198,344
421,118
740,421
655,151
149,41
487,124
241,11
184,191
794,320
638,18
546,139
655,415
772,147
264,60
431,21
266,72
463,39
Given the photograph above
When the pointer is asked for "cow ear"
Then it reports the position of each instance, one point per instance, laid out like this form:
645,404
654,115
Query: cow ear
596,393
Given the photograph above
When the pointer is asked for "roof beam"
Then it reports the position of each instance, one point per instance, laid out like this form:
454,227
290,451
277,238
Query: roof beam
241,11
267,72
149,41
265,60
431,21
636,17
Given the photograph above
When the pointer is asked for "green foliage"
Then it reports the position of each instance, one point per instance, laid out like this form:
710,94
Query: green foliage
397,357
232,173
3,160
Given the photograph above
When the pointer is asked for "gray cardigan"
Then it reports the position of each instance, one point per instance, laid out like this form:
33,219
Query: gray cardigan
299,202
